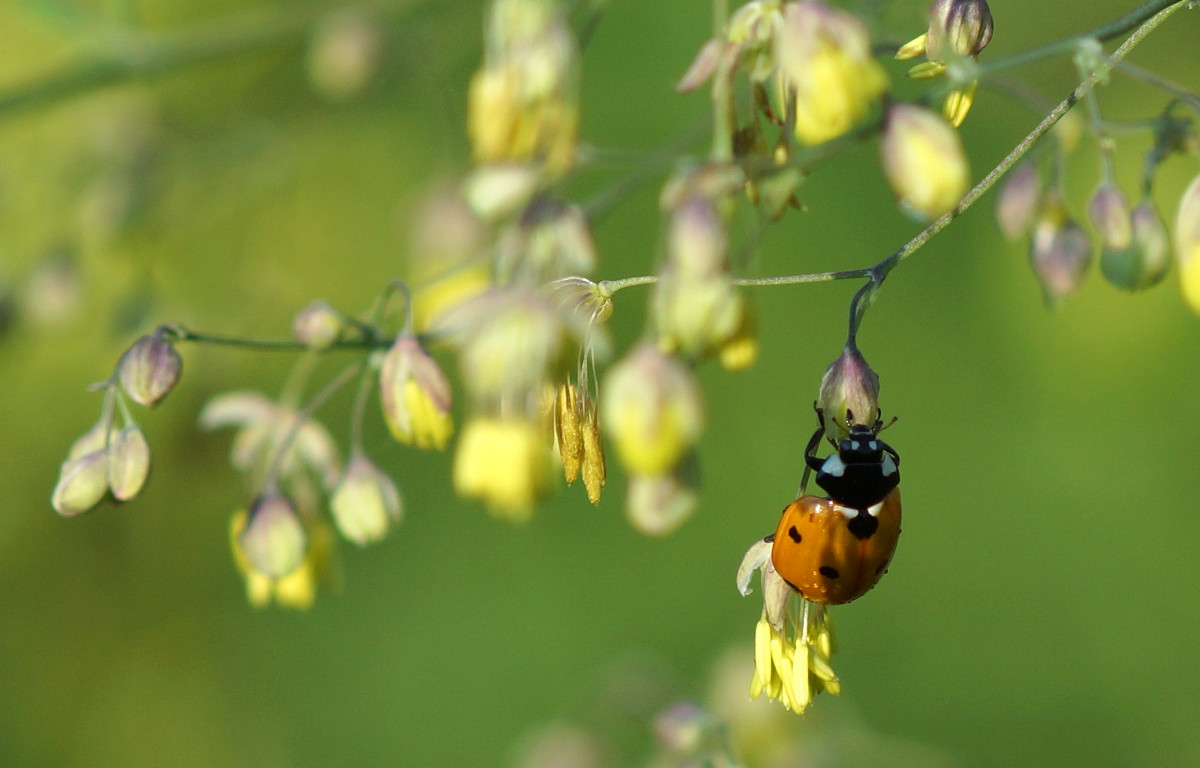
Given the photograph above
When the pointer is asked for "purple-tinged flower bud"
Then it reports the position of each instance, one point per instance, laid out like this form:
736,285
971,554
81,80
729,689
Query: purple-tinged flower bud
366,503
657,505
318,326
1060,252
681,728
1144,264
924,161
128,462
958,28
415,395
1017,201
849,394
1109,212
273,539
150,369
1187,243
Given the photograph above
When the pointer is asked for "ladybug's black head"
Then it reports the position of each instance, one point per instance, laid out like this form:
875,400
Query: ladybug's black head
862,446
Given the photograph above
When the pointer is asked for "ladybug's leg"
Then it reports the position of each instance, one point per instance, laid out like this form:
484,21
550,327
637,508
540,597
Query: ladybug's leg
811,462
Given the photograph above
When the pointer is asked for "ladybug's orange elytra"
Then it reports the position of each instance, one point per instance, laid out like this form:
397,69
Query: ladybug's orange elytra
826,559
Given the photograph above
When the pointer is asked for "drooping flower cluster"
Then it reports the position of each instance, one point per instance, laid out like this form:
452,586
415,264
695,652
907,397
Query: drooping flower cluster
814,74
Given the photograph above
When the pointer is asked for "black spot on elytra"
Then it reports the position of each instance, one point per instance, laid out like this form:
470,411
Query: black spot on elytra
793,534
862,525
828,572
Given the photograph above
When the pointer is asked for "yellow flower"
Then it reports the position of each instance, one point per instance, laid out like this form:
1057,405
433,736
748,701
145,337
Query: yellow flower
958,31
793,640
523,103
506,463
824,58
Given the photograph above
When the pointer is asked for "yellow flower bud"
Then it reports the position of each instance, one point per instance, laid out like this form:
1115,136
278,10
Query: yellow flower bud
505,463
958,28
82,483
1017,201
318,326
657,505
273,539
824,57
128,462
924,161
652,410
415,396
1187,243
366,503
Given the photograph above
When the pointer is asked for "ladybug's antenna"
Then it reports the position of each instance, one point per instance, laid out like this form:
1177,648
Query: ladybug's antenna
880,426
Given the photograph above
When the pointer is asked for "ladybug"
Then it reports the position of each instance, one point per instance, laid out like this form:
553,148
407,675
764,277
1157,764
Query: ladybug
832,553
863,470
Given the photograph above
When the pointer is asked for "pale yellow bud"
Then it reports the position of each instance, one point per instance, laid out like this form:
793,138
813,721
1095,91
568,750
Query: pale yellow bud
1060,251
344,53
366,503
273,539
128,462
318,326
1187,243
652,410
657,505
82,483
958,28
924,161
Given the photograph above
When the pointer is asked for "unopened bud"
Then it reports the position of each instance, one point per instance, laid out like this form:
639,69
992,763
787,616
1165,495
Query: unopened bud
696,239
1109,212
1144,264
550,241
365,503
849,394
657,505
1060,252
415,396
128,462
82,483
344,53
1017,201
150,369
273,539
652,410
681,728
958,28
1187,243
318,326
924,161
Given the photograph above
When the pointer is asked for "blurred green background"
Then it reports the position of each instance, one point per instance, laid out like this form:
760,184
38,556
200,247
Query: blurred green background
1042,607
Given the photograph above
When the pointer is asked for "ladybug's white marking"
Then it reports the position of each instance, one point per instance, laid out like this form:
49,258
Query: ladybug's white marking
873,445
873,511
855,445
848,512
834,466
888,468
